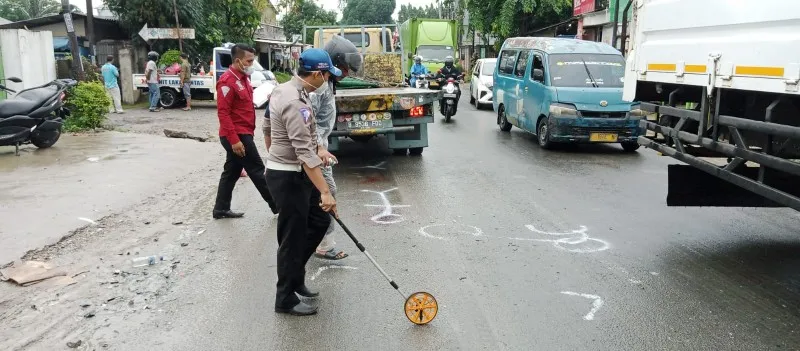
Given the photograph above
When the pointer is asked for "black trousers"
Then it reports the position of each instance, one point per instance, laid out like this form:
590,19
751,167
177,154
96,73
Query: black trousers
251,162
301,226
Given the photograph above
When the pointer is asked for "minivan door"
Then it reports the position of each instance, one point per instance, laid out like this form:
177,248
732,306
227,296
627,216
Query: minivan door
536,92
506,84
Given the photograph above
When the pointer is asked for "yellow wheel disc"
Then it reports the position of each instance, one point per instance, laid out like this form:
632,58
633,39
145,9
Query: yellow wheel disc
421,308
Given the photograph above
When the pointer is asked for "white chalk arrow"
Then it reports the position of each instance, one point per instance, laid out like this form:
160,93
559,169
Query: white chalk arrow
598,302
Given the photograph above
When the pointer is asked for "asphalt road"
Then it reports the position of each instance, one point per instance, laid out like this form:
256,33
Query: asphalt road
524,249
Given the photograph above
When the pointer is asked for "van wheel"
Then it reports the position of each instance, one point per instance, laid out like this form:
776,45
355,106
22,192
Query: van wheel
472,100
543,134
501,119
415,151
169,98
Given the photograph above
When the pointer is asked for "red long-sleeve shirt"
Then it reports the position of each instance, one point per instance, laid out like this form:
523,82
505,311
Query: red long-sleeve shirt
235,109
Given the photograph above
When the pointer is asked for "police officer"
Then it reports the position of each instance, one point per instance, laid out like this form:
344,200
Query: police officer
237,123
295,179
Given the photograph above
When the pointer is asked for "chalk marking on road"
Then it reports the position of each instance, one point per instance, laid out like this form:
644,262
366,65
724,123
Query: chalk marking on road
574,238
598,302
325,268
93,159
380,166
87,220
475,231
386,216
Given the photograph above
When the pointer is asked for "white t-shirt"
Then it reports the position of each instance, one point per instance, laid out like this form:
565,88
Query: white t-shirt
151,66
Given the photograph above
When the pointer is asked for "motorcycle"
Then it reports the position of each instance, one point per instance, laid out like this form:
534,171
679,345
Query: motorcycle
422,81
451,94
34,115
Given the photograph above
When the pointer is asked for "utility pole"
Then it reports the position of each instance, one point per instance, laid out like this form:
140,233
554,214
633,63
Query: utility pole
90,30
77,63
178,25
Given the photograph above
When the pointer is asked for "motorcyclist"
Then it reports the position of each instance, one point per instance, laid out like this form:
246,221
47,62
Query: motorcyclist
449,71
416,70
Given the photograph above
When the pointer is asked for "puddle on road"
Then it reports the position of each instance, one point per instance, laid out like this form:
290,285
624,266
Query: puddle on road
72,149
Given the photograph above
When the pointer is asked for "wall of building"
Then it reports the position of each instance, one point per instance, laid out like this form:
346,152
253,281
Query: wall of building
29,56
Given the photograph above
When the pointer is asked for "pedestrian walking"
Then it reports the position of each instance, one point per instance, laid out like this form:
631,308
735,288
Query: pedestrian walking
186,81
296,180
237,123
153,78
110,77
345,57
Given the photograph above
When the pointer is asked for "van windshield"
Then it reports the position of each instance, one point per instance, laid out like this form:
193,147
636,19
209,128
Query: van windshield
569,70
435,53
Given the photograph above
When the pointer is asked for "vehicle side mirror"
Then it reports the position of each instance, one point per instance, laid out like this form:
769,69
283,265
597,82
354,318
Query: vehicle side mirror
538,75
410,55
14,79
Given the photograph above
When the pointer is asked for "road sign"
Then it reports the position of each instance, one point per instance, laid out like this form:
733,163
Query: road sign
165,33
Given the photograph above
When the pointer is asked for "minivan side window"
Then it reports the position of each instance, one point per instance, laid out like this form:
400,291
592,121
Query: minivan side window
507,62
538,63
522,64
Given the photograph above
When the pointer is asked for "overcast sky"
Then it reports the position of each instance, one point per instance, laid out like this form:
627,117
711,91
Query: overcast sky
327,4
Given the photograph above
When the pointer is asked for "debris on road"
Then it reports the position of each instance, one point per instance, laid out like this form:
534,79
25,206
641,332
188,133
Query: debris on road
34,272
74,345
183,135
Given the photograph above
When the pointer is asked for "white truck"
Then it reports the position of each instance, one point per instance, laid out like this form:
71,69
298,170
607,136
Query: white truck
721,79
204,85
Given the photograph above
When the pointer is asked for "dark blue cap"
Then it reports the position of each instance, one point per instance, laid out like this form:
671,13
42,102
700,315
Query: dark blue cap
318,60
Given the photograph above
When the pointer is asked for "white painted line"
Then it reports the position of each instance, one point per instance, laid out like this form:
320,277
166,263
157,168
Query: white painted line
386,216
571,241
325,268
475,231
598,302
87,220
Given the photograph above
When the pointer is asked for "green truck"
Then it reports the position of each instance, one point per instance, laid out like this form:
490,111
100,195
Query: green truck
433,39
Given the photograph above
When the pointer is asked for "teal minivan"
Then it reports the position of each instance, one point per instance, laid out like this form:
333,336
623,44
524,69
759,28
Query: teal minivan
564,91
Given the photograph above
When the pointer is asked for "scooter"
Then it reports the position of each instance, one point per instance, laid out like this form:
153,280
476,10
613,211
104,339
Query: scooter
422,81
449,101
34,115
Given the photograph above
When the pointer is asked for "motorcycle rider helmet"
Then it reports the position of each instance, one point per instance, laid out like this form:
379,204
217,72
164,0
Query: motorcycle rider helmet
344,54
448,61
418,59
152,55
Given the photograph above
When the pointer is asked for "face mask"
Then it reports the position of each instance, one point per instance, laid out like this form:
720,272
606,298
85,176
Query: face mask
249,70
324,81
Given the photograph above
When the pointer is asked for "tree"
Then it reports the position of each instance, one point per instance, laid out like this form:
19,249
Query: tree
502,17
215,22
368,12
306,13
409,11
20,10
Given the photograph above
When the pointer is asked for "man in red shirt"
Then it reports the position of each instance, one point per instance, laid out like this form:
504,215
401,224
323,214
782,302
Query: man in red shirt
237,122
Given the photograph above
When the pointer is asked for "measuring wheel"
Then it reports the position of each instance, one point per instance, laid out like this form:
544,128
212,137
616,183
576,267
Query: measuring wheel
421,308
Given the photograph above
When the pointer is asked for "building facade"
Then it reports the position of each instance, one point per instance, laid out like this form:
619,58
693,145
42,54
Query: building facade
596,19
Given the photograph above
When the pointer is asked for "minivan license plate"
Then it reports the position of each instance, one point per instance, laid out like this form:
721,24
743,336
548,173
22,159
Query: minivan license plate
603,137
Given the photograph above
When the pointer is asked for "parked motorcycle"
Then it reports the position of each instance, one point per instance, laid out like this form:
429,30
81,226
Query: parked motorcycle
451,92
34,115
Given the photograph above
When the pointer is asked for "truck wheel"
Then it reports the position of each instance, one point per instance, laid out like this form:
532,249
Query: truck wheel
46,139
630,147
543,134
169,98
415,151
501,119
399,152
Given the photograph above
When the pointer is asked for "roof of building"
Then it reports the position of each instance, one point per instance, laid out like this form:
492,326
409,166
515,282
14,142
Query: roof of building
559,45
4,21
57,18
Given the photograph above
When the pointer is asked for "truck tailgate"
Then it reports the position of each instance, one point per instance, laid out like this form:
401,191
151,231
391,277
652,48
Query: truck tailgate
383,99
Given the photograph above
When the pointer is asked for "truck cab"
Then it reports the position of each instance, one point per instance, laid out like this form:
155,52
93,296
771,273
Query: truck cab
564,91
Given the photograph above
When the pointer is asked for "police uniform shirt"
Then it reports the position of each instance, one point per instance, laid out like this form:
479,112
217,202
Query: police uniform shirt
292,126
